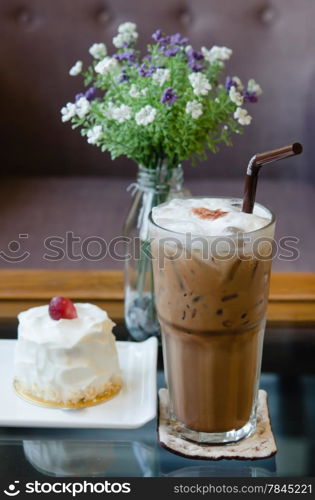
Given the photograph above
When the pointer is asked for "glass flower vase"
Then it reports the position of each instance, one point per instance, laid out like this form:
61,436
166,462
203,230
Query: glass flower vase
153,186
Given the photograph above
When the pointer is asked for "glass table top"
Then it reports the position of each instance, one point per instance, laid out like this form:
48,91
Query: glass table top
288,377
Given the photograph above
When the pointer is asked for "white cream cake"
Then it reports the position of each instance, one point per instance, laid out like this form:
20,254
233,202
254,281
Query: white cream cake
68,363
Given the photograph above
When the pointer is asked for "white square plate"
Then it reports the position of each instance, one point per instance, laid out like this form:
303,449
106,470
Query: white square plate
133,407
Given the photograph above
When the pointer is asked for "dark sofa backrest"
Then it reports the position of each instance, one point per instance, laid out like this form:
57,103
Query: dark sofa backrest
273,41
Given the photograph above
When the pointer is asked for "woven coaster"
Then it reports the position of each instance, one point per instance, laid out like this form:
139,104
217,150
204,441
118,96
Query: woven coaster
256,447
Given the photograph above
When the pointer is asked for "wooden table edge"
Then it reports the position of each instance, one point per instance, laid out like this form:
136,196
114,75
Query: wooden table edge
291,301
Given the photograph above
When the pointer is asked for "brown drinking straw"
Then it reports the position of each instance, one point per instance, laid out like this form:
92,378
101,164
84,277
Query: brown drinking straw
254,166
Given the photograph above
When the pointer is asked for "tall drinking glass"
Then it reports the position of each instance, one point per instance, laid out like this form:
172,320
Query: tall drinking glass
211,299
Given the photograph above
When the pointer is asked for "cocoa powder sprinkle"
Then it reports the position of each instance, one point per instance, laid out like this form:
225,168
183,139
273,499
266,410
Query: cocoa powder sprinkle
206,213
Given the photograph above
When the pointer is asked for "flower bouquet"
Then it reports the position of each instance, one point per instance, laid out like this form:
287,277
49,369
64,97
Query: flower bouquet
159,110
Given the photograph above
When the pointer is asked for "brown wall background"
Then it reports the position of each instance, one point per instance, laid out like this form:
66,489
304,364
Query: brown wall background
273,41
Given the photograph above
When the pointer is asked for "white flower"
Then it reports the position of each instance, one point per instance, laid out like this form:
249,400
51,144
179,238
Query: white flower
82,107
109,111
161,76
216,54
121,113
94,134
200,83
253,86
98,50
144,91
120,40
76,68
134,92
235,96
124,39
194,108
127,28
238,81
242,116
68,112
188,48
146,115
127,34
106,65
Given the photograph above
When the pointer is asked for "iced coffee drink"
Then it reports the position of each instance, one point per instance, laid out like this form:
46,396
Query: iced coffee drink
211,272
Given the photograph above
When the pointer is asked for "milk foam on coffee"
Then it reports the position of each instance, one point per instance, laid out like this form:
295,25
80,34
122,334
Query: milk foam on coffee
208,216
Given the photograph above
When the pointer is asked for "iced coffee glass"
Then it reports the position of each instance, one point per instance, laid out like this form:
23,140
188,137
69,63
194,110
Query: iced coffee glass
211,297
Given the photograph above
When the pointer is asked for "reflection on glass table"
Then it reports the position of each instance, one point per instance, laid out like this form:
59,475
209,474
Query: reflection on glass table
92,458
288,377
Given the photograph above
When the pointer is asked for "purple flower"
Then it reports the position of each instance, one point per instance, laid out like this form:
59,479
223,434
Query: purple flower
250,96
145,71
157,35
168,97
171,51
126,45
123,77
78,96
229,82
90,94
194,56
194,66
169,45
177,39
128,56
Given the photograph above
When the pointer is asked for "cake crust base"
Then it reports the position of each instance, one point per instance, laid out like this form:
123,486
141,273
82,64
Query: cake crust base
111,391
